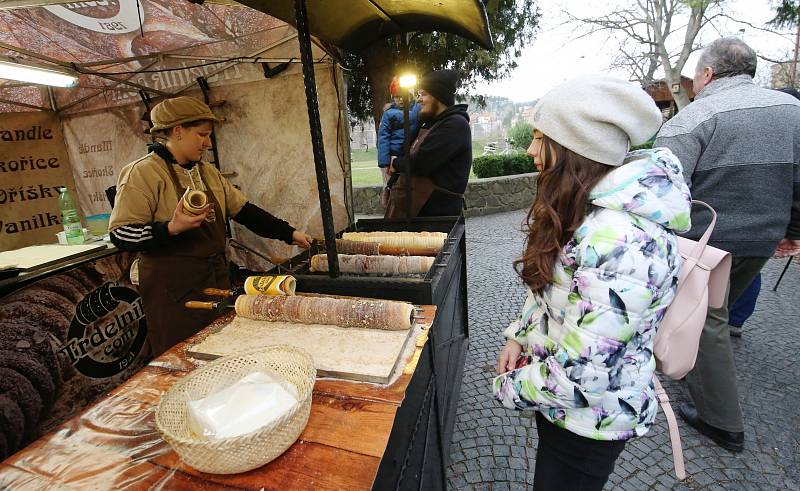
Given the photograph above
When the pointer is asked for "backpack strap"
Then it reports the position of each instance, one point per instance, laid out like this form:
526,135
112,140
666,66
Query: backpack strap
674,434
697,252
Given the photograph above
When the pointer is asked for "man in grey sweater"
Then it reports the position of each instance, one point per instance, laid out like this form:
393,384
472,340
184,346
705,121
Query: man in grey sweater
740,149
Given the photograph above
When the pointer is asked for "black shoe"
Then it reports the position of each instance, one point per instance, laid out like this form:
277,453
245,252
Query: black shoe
730,440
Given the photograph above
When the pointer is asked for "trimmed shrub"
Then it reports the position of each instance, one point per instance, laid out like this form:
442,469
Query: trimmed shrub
488,165
520,163
521,135
502,165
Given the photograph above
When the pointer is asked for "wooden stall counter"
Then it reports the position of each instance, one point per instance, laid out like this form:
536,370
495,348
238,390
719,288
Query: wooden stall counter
114,444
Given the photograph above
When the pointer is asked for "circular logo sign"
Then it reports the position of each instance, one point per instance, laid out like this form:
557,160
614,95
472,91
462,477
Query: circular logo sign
106,16
107,332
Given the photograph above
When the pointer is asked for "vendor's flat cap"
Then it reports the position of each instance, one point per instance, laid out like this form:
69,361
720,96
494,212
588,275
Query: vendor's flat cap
179,110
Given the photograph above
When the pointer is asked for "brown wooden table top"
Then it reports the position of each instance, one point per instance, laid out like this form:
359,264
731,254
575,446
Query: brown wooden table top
114,443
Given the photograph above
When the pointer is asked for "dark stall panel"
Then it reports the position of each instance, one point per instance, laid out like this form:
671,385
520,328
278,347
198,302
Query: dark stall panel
417,452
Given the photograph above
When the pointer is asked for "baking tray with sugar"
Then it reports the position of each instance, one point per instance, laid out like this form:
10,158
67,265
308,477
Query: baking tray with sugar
365,355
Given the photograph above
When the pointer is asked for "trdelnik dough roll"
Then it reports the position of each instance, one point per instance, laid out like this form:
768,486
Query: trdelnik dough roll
361,264
353,247
343,312
402,243
270,285
195,202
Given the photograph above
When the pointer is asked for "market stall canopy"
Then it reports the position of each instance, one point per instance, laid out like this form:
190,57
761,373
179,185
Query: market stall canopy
355,24
122,47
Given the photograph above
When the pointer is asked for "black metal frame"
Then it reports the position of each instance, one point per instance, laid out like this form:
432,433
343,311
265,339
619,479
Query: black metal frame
317,145
205,89
417,452
416,455
407,135
419,290
416,459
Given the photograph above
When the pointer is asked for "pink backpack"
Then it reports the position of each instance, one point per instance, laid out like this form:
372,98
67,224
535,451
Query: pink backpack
702,282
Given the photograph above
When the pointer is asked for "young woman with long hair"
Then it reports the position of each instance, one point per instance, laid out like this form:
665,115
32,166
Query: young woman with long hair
601,264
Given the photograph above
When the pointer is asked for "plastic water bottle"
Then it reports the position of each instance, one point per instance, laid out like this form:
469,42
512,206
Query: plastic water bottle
70,218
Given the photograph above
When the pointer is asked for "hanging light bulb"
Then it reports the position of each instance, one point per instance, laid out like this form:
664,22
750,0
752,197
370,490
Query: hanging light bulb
408,81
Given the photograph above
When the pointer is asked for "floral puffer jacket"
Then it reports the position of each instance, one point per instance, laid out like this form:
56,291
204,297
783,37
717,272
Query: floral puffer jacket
588,363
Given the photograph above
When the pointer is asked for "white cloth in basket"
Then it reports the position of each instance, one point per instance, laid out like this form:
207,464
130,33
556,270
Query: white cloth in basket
252,402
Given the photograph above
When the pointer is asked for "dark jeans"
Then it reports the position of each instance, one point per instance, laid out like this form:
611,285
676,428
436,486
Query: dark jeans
568,462
746,305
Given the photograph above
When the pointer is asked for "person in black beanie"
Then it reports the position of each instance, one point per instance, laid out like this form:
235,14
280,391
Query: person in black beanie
440,157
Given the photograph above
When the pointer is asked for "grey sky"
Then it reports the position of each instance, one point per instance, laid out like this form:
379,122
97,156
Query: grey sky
554,56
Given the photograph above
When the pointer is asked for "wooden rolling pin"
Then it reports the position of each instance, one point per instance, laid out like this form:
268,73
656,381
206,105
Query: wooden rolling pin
215,306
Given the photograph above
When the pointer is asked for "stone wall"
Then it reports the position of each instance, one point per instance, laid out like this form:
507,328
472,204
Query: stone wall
483,196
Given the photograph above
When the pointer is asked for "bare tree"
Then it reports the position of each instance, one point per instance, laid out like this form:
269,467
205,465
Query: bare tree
646,29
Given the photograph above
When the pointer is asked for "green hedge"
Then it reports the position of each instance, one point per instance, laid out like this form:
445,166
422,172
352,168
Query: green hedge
502,165
644,146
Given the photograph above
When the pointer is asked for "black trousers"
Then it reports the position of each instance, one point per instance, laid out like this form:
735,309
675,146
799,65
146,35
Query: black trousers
568,462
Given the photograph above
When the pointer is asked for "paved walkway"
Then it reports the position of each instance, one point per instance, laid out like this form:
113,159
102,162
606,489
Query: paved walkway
494,448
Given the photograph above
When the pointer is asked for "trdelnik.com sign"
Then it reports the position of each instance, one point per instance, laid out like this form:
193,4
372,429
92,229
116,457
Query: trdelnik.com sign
105,16
107,333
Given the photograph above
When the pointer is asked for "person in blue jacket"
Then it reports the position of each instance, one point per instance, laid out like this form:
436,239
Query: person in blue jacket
390,132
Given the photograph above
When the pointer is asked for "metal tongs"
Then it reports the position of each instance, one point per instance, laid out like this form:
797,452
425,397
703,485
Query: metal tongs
277,261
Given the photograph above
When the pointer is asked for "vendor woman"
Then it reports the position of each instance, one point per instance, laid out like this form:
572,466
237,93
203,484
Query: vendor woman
181,254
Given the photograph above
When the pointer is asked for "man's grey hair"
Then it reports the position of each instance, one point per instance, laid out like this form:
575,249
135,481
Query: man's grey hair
728,57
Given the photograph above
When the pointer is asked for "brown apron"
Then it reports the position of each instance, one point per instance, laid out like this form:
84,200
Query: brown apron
422,187
178,272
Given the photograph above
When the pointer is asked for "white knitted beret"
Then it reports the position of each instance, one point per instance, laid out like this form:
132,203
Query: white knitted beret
598,117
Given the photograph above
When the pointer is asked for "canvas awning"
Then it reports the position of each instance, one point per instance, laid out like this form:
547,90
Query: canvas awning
118,50
355,24
121,47
118,46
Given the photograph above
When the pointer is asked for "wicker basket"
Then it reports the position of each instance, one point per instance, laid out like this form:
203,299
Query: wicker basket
245,452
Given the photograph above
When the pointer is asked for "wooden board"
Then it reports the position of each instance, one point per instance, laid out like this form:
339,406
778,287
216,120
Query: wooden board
39,256
115,444
365,355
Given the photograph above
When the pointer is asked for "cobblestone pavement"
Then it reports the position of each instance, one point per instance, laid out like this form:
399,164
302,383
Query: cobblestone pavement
494,448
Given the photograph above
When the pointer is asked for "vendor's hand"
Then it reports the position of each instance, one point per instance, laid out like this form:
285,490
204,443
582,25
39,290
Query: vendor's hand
788,247
181,222
507,359
391,164
301,239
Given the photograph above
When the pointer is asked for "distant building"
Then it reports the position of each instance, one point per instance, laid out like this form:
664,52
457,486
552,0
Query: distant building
526,114
661,93
485,124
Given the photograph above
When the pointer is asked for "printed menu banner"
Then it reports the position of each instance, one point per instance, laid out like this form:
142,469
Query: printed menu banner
98,156
33,166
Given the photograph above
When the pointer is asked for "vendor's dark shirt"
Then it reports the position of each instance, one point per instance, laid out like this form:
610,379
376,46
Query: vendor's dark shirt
445,155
